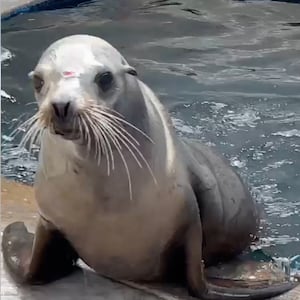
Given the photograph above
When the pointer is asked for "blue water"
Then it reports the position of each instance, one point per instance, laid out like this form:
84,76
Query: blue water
229,72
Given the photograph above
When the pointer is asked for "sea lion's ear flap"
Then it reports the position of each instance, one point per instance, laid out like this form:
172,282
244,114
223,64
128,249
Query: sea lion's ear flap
30,74
130,70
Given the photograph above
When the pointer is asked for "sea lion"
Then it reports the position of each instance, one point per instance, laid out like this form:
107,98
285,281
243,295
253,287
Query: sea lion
118,188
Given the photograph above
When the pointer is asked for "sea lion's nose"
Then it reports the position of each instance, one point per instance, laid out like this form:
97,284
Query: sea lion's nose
62,110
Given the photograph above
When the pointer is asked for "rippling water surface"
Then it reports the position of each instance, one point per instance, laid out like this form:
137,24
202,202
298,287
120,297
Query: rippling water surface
228,71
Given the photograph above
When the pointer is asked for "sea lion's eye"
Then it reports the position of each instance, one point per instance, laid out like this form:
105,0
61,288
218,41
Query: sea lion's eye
38,83
104,80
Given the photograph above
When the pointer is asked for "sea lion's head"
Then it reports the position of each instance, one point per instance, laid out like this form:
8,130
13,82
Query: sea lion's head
89,95
80,83
90,104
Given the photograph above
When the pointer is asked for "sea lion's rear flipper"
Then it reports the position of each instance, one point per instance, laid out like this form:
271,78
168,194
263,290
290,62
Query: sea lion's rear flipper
200,287
37,259
249,270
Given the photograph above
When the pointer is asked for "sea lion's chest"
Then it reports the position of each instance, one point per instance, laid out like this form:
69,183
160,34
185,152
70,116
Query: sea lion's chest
112,234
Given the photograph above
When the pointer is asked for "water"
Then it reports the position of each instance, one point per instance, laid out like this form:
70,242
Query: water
228,71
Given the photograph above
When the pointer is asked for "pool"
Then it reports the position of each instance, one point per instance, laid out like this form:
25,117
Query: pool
229,72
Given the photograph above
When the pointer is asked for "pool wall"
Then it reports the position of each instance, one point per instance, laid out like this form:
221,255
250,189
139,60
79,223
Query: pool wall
10,8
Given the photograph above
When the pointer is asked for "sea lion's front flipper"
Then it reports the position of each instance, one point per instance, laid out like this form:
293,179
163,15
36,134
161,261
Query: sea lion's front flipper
40,258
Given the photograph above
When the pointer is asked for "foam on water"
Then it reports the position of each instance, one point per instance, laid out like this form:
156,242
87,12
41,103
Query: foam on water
235,162
246,118
5,54
7,96
288,133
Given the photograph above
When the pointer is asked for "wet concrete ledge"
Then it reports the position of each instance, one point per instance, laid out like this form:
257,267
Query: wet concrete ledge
10,8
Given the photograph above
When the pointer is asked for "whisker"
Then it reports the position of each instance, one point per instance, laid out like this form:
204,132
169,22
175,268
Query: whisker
99,123
33,138
125,141
22,127
98,147
87,134
122,137
106,144
17,120
80,128
108,114
94,131
96,107
102,139
137,150
26,138
29,135
31,103
117,145
108,128
119,125
130,125
106,137
111,135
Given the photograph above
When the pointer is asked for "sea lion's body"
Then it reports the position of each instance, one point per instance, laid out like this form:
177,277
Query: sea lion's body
127,238
178,204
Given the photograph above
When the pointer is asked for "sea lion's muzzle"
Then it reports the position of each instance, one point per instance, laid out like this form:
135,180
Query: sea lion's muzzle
63,111
64,119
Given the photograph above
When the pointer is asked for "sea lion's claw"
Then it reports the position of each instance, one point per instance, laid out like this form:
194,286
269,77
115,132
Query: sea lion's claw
16,247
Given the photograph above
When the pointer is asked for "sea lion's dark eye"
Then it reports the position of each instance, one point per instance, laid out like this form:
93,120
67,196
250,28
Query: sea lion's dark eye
38,83
104,80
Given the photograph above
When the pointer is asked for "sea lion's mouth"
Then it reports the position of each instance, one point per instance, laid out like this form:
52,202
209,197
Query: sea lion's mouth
66,133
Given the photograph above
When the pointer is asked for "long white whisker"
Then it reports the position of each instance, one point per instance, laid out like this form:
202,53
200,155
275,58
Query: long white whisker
22,127
124,140
103,140
33,138
106,137
107,146
95,135
27,136
109,128
98,138
119,125
130,125
17,121
136,149
80,127
87,134
117,145
108,114
102,127
100,108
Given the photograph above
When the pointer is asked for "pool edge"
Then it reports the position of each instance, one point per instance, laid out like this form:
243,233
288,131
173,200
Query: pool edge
23,6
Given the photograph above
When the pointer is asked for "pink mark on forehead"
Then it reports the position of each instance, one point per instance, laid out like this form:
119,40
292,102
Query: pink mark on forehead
70,74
